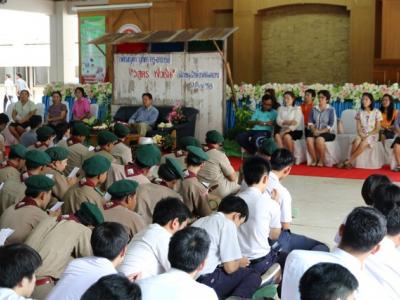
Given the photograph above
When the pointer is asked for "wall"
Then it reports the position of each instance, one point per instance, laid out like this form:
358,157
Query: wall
390,29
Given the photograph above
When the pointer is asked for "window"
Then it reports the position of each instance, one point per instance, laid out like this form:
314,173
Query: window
41,75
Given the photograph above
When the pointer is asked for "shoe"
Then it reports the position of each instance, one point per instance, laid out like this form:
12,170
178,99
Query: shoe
348,165
397,169
320,164
313,164
272,275
340,165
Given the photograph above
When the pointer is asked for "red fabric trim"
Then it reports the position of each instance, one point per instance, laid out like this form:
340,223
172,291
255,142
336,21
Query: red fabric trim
27,201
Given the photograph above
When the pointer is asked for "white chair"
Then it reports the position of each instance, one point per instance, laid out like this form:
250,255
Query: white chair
94,110
9,110
300,149
40,109
349,132
371,158
389,155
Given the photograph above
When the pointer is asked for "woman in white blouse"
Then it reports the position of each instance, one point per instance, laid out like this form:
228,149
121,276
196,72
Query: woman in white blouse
289,120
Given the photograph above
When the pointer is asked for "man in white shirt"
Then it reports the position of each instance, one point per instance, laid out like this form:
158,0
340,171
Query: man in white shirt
264,216
8,91
360,237
18,264
148,251
187,253
225,269
109,242
20,84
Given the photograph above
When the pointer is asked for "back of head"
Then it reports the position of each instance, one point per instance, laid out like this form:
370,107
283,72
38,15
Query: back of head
35,121
61,129
327,281
254,168
188,248
387,201
169,209
234,204
369,186
17,261
4,119
365,227
108,240
116,287
281,158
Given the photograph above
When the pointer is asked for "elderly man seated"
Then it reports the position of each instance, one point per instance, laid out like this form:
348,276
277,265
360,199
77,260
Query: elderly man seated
145,117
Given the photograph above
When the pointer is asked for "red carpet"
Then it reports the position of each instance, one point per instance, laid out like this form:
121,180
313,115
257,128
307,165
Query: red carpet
304,170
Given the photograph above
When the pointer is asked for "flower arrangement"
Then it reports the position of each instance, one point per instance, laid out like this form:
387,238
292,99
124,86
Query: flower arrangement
176,116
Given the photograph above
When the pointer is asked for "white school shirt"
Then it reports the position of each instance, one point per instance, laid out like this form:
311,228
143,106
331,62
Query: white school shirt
9,294
175,285
147,252
384,266
264,213
285,199
79,275
289,113
224,245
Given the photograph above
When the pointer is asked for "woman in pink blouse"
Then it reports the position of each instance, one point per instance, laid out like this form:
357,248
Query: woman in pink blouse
81,107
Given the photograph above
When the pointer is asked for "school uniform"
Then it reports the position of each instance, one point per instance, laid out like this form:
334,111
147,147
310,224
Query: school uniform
115,212
12,192
122,153
148,195
148,252
9,171
178,155
177,285
102,153
224,248
79,275
215,171
38,146
77,154
130,172
9,294
61,185
62,143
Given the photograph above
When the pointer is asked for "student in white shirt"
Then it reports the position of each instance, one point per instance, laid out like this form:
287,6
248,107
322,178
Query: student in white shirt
264,216
109,242
187,253
225,269
282,161
18,264
364,229
148,251
328,281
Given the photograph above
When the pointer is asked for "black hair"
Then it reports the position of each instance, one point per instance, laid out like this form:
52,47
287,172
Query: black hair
326,94
19,75
17,261
369,186
33,194
4,119
387,201
35,121
327,281
79,88
26,91
61,129
371,98
234,204
270,91
188,248
108,240
310,91
281,158
169,209
271,94
147,95
390,109
8,75
165,173
267,97
365,227
291,94
115,286
254,168
192,160
56,92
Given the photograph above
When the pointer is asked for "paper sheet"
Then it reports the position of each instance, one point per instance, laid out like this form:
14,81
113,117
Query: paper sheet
73,172
5,233
56,206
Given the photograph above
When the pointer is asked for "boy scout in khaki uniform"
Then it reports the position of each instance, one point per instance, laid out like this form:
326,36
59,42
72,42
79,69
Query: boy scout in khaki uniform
11,169
58,241
120,208
77,151
181,152
105,141
26,214
194,193
148,195
146,156
45,136
87,189
59,160
121,152
14,190
217,169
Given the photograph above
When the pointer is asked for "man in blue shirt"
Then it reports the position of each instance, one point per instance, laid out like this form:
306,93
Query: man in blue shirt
262,122
145,117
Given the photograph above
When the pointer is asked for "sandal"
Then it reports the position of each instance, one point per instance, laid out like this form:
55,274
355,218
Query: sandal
348,165
340,165
320,164
397,169
314,164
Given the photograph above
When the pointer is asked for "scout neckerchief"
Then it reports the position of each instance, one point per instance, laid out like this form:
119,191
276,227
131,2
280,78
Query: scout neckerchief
159,181
88,182
27,201
70,217
72,141
132,169
9,164
40,144
190,174
111,204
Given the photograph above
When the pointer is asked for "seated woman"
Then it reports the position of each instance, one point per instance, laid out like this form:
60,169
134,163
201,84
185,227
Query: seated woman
289,122
307,105
23,110
263,121
368,125
389,115
57,111
81,107
320,129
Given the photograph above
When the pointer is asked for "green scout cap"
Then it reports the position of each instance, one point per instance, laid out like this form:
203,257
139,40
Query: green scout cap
148,155
36,158
188,141
197,154
38,183
105,137
268,146
44,133
121,130
122,188
174,167
96,165
17,151
80,129
90,214
214,137
57,153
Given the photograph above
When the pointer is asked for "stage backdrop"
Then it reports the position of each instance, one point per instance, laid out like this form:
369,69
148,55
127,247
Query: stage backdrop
194,79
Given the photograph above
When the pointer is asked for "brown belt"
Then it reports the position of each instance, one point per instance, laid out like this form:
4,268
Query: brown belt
44,280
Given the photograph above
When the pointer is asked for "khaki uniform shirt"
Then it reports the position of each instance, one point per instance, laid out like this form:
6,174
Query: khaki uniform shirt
9,172
77,155
122,153
181,159
38,146
130,172
79,194
12,192
61,185
133,223
214,172
22,219
58,242
102,153
62,143
148,195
